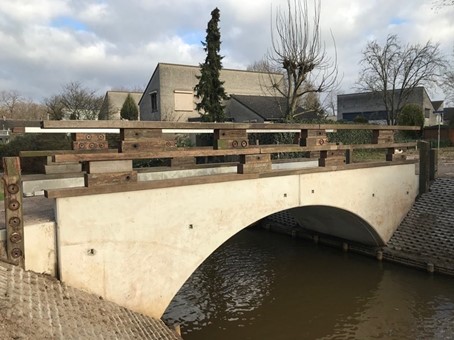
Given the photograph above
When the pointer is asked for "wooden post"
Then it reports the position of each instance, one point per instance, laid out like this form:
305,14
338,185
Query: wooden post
230,139
424,160
382,136
14,221
313,137
89,141
433,167
332,158
254,163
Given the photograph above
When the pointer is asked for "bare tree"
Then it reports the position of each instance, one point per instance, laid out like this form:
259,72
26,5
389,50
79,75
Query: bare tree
54,107
9,101
298,50
74,102
392,71
14,106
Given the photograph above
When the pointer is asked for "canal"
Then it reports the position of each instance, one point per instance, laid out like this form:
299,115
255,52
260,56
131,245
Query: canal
261,285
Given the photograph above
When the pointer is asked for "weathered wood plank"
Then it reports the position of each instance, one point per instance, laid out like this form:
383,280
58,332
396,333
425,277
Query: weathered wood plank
332,161
147,145
98,167
382,136
113,178
14,220
257,158
167,183
135,134
62,168
251,168
147,185
180,152
332,153
183,162
383,146
221,144
230,134
89,137
312,133
314,141
46,153
86,145
391,157
113,124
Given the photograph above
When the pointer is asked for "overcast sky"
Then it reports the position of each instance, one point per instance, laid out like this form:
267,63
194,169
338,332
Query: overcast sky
109,44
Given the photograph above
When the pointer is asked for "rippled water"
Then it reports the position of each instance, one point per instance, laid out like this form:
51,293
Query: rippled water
261,285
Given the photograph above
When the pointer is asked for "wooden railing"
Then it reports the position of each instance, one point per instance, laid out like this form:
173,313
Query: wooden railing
150,140
108,170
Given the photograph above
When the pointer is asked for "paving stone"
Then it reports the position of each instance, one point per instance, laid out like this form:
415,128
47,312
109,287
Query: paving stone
36,306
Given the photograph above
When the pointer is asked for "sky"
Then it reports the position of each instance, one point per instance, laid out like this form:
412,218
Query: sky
116,44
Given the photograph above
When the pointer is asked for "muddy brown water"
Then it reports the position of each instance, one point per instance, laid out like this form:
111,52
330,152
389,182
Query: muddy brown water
260,285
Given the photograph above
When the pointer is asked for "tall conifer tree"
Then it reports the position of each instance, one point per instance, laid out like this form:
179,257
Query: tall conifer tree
210,89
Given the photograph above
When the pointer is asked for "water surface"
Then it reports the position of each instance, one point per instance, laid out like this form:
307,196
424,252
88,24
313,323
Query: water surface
261,285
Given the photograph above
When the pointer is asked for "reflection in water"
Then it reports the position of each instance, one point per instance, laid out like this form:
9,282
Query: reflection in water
260,285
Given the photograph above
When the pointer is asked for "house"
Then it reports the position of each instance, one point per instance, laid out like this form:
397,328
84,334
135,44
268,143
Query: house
113,102
169,94
370,105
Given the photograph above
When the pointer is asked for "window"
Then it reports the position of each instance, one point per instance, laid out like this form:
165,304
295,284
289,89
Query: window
427,113
184,100
154,101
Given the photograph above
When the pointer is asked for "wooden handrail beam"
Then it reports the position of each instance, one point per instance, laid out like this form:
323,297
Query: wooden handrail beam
208,151
117,124
176,182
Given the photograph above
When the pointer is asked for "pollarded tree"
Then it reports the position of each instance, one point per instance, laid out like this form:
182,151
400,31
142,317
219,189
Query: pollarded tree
129,109
210,89
298,50
393,71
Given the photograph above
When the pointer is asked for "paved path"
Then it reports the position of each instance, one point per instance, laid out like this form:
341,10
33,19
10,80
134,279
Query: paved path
36,306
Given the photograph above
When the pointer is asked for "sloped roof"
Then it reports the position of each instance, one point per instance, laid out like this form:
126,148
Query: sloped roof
267,107
437,104
270,108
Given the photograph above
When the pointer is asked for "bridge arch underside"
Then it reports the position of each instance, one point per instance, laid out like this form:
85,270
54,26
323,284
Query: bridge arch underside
336,222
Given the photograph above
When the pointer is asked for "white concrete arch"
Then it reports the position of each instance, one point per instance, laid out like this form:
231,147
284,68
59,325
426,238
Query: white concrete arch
138,248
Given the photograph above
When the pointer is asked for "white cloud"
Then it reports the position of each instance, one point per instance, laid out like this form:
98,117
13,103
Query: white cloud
121,42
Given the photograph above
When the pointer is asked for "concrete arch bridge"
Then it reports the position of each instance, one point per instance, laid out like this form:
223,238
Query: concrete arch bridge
134,236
